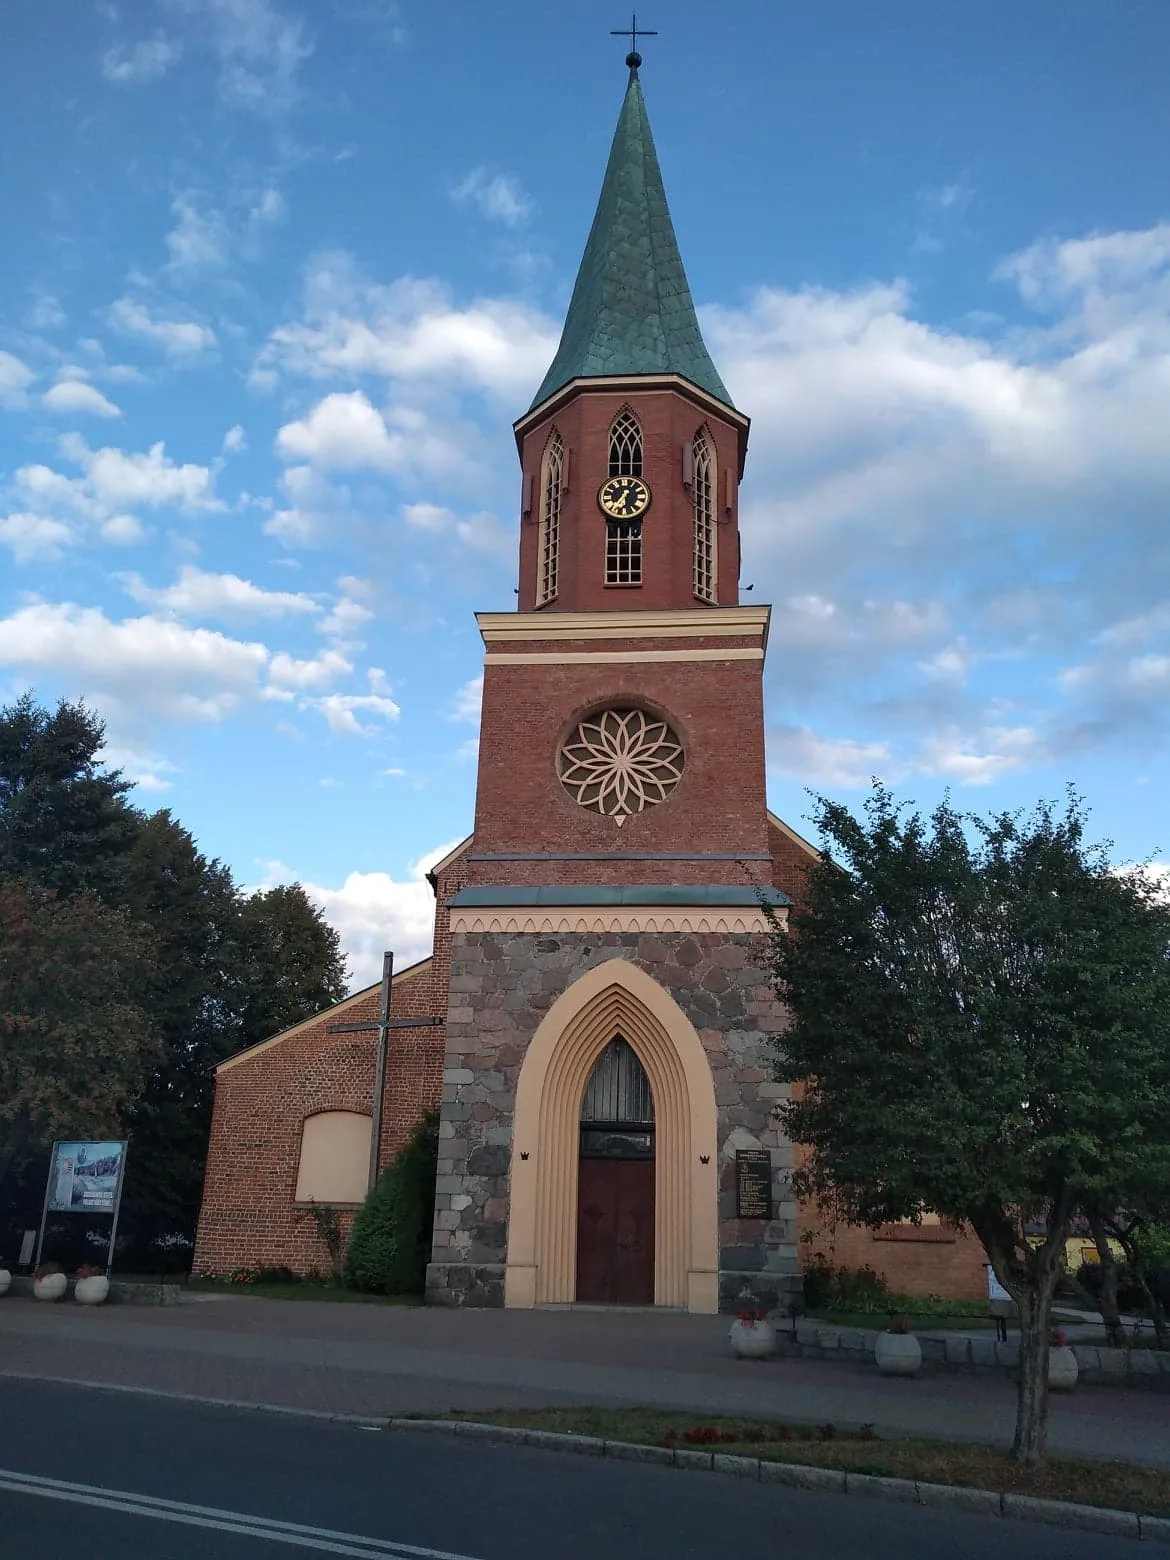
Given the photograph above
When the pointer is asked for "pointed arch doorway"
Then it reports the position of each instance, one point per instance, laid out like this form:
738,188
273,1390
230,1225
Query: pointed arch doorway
614,1000
615,1182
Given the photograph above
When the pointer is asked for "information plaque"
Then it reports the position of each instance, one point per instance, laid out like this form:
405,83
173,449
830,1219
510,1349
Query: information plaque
753,1183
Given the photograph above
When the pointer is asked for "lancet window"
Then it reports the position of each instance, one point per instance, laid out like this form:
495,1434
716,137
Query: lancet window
623,538
551,488
706,557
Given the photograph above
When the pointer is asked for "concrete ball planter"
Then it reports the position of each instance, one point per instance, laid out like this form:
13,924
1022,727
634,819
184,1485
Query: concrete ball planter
92,1290
1063,1370
5,1281
51,1287
753,1340
897,1354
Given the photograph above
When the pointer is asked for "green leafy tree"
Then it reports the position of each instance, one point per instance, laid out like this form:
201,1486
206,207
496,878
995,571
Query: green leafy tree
64,819
295,964
979,1023
75,1046
194,989
390,1244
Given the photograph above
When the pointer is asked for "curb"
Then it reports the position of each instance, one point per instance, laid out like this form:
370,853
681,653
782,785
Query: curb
957,1497
359,1421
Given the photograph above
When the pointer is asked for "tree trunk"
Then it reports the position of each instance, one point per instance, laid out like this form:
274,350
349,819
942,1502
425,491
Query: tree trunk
1153,1306
1110,1313
1035,1306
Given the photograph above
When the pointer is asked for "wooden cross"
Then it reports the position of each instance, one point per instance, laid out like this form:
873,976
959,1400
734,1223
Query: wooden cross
382,1025
633,33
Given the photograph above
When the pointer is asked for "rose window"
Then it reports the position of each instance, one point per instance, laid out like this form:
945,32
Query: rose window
620,762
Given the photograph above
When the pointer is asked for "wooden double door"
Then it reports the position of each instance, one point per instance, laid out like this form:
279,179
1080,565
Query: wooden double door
615,1231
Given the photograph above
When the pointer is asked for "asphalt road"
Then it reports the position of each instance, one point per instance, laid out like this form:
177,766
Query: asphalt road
120,1477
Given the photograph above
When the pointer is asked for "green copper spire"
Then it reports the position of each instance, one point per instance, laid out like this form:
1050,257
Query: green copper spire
631,311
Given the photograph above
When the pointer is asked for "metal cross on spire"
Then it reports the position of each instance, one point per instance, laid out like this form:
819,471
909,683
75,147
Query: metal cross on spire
633,32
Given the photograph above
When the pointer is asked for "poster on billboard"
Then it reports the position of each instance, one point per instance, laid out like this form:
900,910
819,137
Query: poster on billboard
85,1177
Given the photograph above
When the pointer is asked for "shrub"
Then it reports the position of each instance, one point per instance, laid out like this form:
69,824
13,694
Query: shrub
391,1240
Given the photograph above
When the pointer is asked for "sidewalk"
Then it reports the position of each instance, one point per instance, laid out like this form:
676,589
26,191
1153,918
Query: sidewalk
383,1360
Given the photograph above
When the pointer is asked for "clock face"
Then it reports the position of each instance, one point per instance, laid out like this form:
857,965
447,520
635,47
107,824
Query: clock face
624,498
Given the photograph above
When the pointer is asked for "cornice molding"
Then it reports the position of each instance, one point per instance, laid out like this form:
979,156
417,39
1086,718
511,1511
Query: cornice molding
750,623
632,384
573,918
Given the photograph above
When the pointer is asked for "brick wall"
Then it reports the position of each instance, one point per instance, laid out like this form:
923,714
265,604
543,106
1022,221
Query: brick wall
669,419
521,806
927,1260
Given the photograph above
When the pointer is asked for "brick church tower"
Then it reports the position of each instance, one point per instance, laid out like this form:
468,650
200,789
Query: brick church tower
607,1092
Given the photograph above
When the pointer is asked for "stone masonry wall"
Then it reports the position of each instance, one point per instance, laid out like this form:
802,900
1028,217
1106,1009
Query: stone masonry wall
501,987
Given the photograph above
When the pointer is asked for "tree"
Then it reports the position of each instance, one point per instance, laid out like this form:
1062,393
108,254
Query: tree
296,966
75,1047
390,1245
65,823
194,990
980,1031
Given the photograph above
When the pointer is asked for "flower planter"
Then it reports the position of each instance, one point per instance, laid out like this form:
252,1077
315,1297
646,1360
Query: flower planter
5,1281
91,1291
753,1340
51,1287
1063,1369
897,1354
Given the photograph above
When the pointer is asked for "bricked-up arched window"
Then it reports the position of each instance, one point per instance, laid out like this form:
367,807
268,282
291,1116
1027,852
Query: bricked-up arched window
706,536
623,538
552,481
625,446
335,1157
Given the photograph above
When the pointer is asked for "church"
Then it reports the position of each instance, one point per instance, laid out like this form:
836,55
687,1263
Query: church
594,1024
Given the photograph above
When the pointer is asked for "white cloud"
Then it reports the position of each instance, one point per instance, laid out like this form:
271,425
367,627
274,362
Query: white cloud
982,758
15,378
146,667
74,395
409,331
341,710
115,480
347,618
198,594
235,440
468,701
123,531
151,670
801,754
497,196
316,508
148,60
199,241
260,50
344,432
177,338
373,912
288,673
32,537
44,312
428,517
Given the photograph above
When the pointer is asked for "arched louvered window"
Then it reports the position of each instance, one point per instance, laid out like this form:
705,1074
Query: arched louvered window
623,538
625,446
617,1112
551,487
706,535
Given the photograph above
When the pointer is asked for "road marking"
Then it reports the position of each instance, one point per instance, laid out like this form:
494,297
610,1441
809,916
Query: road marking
327,1540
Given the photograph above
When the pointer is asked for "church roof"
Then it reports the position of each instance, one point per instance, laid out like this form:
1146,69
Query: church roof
631,310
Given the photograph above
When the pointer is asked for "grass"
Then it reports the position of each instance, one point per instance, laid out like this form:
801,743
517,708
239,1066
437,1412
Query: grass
328,1292
1087,1482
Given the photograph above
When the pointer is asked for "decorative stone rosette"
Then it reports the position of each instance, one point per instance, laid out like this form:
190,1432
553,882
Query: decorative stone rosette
621,761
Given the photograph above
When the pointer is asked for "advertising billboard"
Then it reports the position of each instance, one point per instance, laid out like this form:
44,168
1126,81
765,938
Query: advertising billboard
84,1177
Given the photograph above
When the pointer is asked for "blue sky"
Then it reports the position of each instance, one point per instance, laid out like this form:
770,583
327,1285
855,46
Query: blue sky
276,279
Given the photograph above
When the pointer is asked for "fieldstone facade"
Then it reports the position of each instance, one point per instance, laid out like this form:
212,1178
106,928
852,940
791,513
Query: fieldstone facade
502,985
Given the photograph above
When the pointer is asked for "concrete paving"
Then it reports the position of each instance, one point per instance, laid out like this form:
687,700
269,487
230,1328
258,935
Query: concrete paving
380,1360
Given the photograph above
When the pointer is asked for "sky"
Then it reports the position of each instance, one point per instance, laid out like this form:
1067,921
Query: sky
276,279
